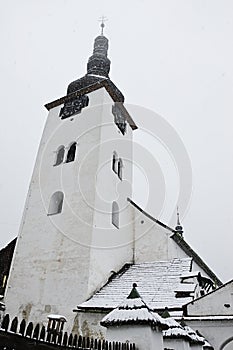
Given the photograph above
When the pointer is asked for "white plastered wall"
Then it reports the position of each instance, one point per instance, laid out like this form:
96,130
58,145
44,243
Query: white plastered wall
55,266
142,335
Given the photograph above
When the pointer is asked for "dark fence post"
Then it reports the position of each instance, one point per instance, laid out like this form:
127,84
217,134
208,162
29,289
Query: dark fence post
59,338
29,330
88,343
14,325
80,341
83,343
48,338
22,327
36,331
54,338
42,333
75,340
65,339
70,340
5,322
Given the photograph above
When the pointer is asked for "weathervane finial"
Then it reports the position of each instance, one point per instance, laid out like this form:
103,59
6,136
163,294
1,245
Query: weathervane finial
102,25
178,228
178,215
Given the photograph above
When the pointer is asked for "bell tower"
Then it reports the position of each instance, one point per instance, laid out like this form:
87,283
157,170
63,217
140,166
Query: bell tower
77,224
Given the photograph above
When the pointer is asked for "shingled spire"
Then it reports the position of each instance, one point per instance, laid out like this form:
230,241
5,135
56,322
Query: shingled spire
98,63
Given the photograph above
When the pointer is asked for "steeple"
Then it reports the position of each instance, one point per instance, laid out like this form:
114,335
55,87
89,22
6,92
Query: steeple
98,68
98,63
179,228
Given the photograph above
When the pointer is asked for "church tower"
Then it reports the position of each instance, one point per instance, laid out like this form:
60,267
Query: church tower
77,223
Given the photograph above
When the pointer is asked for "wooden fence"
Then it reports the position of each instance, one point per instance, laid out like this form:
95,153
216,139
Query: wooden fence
15,336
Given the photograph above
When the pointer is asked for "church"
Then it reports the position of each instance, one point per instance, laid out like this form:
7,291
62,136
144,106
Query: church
87,257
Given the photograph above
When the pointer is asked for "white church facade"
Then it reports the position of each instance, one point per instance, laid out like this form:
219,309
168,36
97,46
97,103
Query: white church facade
84,245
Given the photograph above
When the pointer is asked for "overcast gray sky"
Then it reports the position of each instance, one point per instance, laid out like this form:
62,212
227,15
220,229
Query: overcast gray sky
174,57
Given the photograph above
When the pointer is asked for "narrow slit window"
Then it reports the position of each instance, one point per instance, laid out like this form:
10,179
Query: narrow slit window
71,153
119,170
60,155
56,203
115,214
114,162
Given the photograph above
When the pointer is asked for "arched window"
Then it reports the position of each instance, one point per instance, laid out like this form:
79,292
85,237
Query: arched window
60,155
114,162
56,202
119,170
71,153
115,214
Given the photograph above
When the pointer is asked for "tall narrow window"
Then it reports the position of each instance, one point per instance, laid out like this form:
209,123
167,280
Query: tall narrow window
56,202
114,162
71,153
119,170
115,214
60,155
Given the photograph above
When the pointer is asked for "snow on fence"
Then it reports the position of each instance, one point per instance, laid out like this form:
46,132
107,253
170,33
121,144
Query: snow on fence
25,337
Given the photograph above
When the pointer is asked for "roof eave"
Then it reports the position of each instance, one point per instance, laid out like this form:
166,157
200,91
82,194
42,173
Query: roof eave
107,84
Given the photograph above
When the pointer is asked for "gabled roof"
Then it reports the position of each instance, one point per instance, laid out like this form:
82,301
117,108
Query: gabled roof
157,282
182,244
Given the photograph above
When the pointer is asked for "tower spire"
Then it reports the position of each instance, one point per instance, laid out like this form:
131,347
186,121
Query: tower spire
178,228
98,63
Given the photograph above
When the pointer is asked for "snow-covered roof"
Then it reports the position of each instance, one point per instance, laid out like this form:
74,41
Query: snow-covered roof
157,282
186,287
171,322
56,317
177,332
190,274
133,310
194,336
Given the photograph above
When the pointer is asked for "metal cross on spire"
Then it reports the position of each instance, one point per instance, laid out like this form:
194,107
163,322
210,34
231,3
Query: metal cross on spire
102,25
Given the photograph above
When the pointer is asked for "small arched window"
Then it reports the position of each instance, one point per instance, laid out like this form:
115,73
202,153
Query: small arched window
119,170
71,153
56,202
115,214
114,162
60,155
